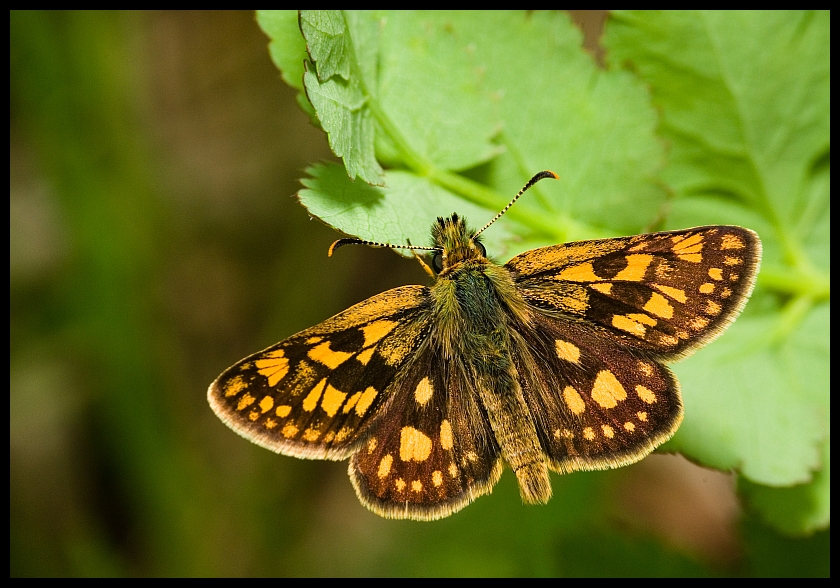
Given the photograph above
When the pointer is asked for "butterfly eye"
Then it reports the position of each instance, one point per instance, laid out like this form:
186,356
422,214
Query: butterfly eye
437,262
480,248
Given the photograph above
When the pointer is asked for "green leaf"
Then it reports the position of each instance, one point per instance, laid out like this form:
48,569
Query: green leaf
595,128
396,213
500,96
432,117
745,106
756,112
328,42
430,99
287,49
336,91
797,510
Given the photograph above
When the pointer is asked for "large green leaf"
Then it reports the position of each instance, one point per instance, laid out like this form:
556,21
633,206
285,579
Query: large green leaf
749,129
287,49
501,95
465,107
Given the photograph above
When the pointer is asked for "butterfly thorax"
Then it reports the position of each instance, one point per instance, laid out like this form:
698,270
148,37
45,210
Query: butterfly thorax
474,299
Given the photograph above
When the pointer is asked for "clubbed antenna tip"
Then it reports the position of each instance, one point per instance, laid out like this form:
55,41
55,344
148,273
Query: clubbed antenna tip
353,241
537,177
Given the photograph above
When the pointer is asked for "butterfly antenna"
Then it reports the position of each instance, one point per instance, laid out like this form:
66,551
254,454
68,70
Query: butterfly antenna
351,241
540,176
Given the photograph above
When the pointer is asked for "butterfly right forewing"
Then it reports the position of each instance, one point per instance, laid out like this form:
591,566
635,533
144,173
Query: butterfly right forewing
665,293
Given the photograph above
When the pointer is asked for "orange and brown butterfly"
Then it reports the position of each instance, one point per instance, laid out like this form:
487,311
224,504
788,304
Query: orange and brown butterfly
553,361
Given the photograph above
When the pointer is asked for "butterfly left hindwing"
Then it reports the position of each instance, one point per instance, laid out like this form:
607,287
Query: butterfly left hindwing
432,451
314,394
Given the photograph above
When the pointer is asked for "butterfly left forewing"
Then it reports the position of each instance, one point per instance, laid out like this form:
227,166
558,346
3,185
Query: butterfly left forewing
315,394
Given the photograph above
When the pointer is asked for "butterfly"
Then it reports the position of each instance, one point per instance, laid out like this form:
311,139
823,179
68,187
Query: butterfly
554,361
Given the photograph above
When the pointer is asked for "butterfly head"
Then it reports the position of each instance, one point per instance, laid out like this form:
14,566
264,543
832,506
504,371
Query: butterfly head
454,244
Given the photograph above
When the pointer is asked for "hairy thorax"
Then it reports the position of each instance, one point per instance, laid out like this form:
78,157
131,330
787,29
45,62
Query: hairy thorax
473,305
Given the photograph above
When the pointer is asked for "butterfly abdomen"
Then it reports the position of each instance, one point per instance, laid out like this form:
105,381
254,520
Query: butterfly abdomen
514,430
473,308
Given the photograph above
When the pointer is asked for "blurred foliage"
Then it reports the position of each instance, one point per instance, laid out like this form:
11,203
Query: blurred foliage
153,243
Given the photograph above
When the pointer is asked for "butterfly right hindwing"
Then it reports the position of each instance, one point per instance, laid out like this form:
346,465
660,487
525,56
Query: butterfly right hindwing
595,404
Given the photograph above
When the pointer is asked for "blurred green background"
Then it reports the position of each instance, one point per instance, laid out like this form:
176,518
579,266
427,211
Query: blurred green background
154,241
